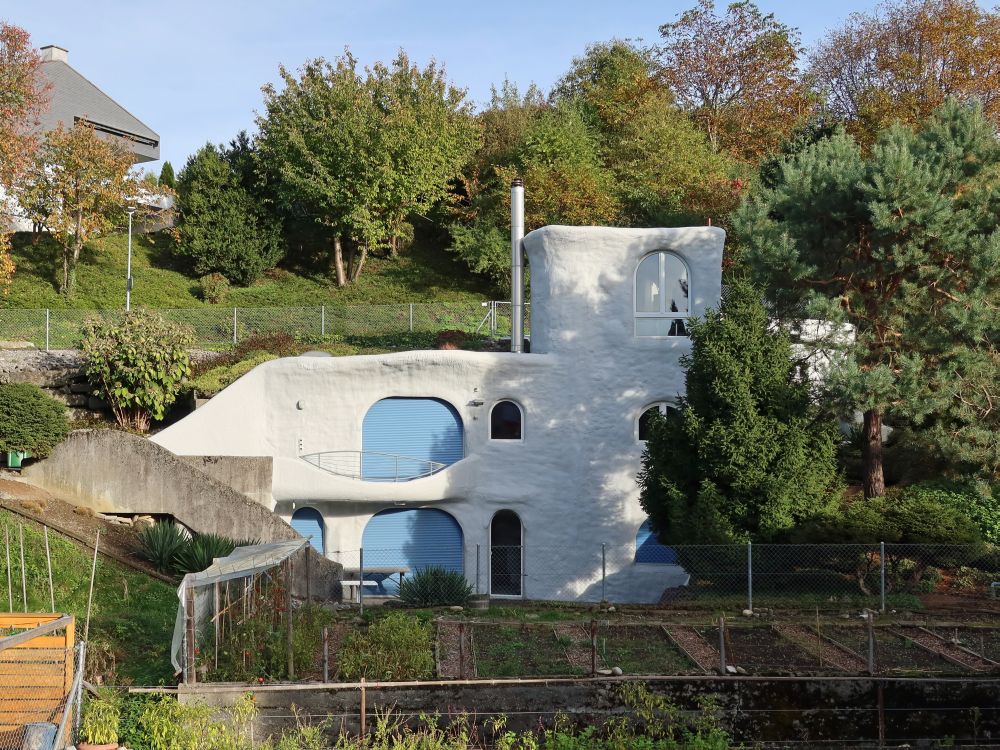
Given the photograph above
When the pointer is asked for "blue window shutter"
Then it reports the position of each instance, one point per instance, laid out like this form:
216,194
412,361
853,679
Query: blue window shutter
649,550
414,538
308,522
425,429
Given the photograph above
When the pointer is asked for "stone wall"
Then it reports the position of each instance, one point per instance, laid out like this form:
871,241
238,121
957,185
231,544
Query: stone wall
845,711
58,372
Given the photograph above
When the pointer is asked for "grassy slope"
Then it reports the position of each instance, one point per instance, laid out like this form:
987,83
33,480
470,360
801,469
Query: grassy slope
424,274
132,614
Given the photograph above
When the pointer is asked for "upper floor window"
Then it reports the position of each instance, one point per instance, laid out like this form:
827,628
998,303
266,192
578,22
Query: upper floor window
662,295
646,418
505,421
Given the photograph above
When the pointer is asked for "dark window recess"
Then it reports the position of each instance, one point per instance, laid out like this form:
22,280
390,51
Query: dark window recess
646,418
505,421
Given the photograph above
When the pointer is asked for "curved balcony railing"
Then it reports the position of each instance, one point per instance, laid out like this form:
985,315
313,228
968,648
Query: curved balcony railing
373,466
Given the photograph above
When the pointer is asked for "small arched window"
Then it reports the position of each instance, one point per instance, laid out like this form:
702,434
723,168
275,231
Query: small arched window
662,295
646,418
506,421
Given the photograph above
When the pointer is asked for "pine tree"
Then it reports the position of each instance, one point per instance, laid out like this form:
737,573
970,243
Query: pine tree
745,455
167,176
903,244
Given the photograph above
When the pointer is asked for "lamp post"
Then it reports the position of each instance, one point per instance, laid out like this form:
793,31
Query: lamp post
128,277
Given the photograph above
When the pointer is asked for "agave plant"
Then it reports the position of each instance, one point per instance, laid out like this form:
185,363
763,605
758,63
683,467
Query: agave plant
199,553
435,587
160,544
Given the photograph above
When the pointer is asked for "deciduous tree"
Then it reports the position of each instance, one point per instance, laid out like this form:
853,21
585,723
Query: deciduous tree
737,74
904,246
79,185
903,59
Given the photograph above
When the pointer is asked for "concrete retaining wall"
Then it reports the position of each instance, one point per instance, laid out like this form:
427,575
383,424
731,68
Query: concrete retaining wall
753,710
250,475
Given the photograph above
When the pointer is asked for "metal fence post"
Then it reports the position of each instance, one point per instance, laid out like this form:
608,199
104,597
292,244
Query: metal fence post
411,317
722,646
46,329
870,622
750,576
604,572
493,319
322,320
361,576
234,326
882,572
477,568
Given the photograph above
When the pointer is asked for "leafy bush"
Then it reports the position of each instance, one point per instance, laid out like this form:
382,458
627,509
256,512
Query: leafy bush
198,553
974,499
99,724
214,288
30,419
138,365
435,587
167,724
161,543
396,647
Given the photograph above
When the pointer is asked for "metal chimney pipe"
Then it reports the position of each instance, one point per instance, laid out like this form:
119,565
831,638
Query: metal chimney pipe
516,267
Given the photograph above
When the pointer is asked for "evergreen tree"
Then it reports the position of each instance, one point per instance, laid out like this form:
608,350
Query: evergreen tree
221,227
902,244
745,455
167,178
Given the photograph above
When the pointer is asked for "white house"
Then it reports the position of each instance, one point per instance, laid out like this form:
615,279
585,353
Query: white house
517,468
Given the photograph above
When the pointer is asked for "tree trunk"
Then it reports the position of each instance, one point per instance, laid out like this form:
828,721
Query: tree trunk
338,261
356,271
871,454
394,247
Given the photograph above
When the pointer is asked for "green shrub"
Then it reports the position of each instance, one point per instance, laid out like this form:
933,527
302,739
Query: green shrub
167,724
974,499
214,288
30,419
138,365
160,544
435,587
99,724
198,553
396,647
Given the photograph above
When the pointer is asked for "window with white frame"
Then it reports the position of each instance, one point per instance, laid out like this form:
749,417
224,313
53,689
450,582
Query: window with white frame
662,295
506,421
645,422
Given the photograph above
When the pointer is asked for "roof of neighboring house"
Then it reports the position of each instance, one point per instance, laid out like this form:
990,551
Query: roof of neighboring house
73,97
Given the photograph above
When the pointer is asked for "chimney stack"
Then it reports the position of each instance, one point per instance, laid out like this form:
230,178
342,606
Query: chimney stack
516,267
52,53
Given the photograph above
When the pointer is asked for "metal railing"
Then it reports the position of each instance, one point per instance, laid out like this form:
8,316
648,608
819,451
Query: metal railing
215,326
373,466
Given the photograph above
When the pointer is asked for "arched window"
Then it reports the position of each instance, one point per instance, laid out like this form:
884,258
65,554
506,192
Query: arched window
646,418
662,295
506,421
649,550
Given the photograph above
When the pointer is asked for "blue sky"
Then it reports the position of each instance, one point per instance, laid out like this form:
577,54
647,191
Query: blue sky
193,70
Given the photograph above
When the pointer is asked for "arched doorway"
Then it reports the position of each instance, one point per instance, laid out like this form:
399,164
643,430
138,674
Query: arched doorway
410,539
506,554
405,438
308,522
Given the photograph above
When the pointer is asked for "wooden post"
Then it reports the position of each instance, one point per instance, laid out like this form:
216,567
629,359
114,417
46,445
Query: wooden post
871,642
24,575
880,697
215,617
48,565
288,608
461,650
363,729
10,580
189,636
308,551
593,648
326,655
90,596
722,645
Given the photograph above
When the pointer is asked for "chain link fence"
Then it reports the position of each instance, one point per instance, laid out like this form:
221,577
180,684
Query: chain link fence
40,680
221,326
802,577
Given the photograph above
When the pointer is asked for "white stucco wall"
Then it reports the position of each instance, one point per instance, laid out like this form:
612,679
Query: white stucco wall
572,479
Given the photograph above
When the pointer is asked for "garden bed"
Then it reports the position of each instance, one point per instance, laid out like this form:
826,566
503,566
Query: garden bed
984,641
893,653
520,651
642,649
762,650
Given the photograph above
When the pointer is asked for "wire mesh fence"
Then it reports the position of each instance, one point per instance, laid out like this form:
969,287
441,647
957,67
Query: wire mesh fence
711,577
39,679
221,326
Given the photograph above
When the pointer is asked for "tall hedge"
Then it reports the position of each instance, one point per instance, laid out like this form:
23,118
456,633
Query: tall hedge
30,419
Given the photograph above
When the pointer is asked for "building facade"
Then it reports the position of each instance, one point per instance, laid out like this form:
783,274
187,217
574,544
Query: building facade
517,469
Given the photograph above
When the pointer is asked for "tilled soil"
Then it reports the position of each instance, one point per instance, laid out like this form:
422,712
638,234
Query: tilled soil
971,661
643,649
578,651
985,641
454,664
761,650
826,653
696,647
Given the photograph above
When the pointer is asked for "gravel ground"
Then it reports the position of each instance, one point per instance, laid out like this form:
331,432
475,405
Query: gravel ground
578,652
828,653
449,667
704,654
938,645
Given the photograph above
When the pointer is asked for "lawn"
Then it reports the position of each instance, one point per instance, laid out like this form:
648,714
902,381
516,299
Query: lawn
425,273
132,619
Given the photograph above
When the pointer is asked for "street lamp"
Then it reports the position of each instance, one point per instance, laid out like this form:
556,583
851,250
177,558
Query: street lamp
128,277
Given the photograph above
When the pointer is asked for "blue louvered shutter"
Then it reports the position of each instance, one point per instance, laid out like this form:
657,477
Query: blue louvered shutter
413,538
308,522
400,434
649,550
